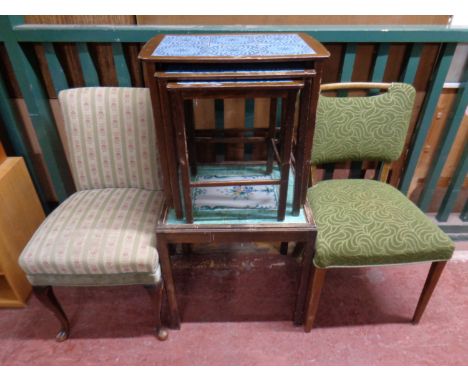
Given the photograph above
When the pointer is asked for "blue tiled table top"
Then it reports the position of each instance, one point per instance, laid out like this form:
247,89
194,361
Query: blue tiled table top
232,45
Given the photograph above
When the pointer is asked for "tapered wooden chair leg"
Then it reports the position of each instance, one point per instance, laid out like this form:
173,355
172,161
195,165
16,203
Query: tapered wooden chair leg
432,278
46,296
315,289
156,294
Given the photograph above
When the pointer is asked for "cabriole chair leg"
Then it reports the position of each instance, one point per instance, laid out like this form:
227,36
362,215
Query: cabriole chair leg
431,281
46,296
156,294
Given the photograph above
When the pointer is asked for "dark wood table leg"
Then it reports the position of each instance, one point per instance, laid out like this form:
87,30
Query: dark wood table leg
309,131
190,127
313,298
289,105
307,255
181,140
299,156
271,134
165,109
159,127
166,269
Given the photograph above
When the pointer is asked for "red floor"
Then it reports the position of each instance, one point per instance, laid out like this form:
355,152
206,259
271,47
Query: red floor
362,320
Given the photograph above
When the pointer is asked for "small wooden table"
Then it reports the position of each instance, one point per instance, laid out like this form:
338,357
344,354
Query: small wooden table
183,92
261,56
228,226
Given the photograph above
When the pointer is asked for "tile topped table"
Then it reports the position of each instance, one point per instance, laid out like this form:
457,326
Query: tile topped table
235,214
262,56
184,93
235,48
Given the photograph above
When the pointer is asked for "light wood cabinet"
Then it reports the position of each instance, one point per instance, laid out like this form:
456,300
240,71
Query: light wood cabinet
3,156
21,214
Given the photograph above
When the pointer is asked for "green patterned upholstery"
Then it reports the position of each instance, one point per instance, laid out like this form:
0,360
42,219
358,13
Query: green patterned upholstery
365,222
97,237
111,138
358,128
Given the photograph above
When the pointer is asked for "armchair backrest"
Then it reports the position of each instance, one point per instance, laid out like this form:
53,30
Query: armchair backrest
363,128
111,138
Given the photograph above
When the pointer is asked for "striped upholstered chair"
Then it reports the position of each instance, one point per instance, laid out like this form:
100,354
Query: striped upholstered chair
362,222
104,234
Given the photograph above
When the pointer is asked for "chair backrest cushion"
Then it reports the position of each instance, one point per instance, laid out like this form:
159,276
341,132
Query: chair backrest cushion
111,138
360,128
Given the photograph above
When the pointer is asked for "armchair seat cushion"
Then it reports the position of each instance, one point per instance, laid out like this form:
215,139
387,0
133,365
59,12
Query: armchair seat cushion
365,222
97,237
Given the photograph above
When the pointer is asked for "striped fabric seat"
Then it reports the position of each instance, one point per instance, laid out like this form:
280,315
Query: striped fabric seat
97,237
104,234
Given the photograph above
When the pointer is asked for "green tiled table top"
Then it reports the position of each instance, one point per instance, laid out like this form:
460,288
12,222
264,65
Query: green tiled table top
264,214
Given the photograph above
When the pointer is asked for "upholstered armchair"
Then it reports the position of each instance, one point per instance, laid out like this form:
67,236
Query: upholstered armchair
104,233
363,222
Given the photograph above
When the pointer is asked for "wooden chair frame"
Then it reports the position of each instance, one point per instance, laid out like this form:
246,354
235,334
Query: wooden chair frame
317,280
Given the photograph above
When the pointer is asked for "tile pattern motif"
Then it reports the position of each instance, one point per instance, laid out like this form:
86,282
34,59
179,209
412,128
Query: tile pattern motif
233,45
238,205
235,197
